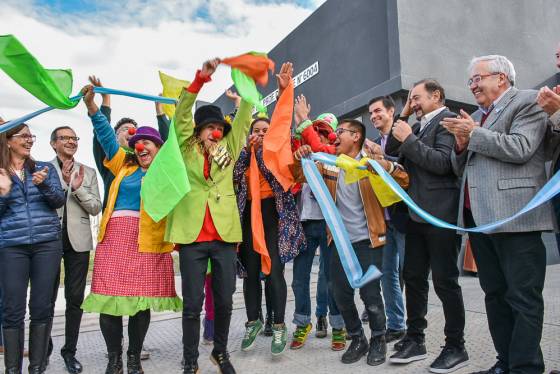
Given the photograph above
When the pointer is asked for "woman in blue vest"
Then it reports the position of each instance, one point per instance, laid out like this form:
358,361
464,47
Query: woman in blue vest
30,247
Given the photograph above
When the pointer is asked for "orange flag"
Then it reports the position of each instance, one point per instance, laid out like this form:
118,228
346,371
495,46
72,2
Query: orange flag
253,64
257,227
277,148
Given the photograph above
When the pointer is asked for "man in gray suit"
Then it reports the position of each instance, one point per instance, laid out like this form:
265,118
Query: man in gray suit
500,154
83,201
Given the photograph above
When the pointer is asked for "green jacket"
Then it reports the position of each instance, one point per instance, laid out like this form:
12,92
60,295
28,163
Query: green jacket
185,221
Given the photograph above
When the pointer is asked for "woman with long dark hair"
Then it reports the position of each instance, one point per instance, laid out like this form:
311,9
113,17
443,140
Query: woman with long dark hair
133,268
30,247
283,233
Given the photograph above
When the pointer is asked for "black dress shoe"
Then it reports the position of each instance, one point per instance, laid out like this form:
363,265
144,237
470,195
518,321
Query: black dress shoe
190,368
221,359
115,364
357,349
392,335
133,365
498,368
410,351
72,365
450,359
377,351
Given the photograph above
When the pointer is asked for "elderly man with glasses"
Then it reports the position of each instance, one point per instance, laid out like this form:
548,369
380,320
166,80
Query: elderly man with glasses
500,155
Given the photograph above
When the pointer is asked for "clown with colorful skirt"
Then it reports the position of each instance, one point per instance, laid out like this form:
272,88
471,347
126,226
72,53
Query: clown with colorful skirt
133,267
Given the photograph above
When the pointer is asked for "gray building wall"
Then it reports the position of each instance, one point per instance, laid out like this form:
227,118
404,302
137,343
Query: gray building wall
438,38
368,48
356,45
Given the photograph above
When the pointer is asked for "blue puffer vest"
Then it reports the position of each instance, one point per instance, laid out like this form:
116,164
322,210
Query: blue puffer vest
28,212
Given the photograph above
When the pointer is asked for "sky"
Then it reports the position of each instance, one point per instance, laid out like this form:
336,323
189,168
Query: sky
125,43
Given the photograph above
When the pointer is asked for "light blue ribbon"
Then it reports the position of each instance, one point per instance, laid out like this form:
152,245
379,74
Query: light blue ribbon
547,192
112,91
346,253
101,90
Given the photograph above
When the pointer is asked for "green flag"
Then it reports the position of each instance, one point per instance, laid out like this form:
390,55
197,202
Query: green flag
247,88
166,182
52,87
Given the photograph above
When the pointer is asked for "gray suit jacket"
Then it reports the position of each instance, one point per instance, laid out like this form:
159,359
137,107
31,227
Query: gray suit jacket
80,204
504,164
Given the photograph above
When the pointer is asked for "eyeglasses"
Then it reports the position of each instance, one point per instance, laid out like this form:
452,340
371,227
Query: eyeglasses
477,78
25,137
340,130
68,138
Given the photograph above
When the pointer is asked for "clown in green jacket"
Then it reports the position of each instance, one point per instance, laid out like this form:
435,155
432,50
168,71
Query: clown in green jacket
206,223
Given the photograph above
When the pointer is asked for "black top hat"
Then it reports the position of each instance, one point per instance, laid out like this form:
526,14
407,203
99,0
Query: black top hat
209,114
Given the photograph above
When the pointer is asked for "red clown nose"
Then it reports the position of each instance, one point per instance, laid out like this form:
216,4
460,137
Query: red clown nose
217,134
332,137
139,147
131,131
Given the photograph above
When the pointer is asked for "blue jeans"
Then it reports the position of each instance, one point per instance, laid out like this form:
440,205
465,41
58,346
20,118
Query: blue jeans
1,307
393,259
316,236
35,266
370,293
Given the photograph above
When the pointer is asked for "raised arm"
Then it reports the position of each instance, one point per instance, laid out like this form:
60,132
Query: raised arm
103,130
106,98
305,127
184,126
239,128
162,121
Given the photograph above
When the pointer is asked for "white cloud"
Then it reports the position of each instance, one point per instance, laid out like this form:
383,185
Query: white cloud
126,43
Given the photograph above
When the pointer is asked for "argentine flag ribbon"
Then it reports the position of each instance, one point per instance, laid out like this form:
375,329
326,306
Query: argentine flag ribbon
101,90
547,192
348,258
344,248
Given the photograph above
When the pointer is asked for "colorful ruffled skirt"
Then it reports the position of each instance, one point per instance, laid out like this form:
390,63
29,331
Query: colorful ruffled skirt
126,281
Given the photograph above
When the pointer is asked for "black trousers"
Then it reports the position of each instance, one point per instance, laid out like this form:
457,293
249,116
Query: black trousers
426,247
112,330
511,271
370,293
251,260
75,274
35,265
193,260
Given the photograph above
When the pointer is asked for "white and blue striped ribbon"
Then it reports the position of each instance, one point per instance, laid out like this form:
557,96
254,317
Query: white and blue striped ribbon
102,90
547,192
346,253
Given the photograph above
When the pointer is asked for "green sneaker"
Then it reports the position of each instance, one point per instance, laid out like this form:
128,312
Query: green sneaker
252,329
300,336
279,338
338,339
